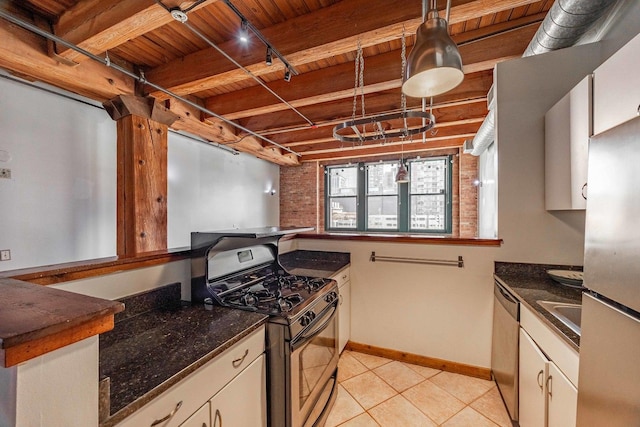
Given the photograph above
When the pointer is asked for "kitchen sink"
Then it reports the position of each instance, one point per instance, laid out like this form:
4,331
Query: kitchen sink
569,314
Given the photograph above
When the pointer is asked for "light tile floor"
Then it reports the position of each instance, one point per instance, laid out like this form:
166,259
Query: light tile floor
378,392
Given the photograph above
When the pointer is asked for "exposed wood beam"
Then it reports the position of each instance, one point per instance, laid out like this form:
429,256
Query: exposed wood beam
328,32
471,111
224,134
24,53
453,130
98,25
474,86
346,153
382,73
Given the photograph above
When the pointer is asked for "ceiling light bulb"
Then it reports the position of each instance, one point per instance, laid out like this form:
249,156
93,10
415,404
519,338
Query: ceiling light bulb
269,59
244,33
287,75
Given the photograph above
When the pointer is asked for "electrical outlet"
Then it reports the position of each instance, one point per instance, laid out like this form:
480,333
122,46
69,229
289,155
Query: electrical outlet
5,255
6,174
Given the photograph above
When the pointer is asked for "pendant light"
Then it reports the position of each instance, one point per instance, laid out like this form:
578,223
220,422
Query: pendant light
403,175
434,64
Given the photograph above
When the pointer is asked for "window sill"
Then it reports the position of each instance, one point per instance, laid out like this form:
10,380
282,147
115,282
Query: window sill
402,238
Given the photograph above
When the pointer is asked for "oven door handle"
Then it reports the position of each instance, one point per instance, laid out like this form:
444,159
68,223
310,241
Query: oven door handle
330,311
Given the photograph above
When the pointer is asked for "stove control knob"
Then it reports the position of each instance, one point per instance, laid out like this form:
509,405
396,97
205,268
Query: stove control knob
306,319
331,297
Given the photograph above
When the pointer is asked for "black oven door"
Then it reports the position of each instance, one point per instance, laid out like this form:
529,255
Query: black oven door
314,360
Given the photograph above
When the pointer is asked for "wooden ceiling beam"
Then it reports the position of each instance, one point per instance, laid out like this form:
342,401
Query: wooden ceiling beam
362,151
445,115
382,72
328,32
25,54
451,130
475,86
224,134
98,25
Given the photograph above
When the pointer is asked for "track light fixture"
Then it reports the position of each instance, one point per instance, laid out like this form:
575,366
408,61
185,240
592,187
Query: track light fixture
271,50
287,75
269,59
244,33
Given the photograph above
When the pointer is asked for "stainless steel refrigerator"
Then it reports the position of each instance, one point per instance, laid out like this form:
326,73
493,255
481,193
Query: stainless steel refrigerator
609,378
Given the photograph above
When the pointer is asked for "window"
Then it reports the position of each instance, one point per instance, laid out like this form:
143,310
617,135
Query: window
365,197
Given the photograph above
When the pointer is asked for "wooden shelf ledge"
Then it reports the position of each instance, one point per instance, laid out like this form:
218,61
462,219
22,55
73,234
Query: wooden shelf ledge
35,319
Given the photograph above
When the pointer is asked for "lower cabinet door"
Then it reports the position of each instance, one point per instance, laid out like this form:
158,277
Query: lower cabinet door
533,373
243,401
201,418
562,399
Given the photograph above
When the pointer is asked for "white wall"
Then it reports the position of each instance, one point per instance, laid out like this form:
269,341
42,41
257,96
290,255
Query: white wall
60,205
59,388
525,90
434,311
210,189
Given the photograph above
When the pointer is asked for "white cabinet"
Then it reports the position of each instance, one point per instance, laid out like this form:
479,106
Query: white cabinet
202,418
188,396
532,373
547,396
616,88
563,399
566,142
242,402
344,311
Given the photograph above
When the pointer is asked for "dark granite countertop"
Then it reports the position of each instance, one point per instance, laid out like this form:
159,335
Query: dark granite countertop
159,340
314,263
530,283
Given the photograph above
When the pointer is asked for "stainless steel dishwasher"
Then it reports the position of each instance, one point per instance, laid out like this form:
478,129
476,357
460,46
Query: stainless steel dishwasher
504,347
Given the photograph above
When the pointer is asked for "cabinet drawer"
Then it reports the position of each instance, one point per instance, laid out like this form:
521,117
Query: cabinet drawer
342,276
565,357
196,389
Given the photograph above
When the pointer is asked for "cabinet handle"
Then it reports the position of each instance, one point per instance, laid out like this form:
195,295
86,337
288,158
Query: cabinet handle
539,379
345,276
216,417
168,417
639,110
584,187
549,383
239,361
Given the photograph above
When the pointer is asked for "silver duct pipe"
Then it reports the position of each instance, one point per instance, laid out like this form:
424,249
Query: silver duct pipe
564,25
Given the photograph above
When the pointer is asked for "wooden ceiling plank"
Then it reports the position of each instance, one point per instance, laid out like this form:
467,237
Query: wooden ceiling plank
98,25
327,32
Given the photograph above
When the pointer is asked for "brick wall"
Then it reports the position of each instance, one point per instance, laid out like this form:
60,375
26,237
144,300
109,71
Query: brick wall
302,192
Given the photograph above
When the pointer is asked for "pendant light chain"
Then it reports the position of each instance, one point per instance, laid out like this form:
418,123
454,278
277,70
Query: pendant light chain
403,97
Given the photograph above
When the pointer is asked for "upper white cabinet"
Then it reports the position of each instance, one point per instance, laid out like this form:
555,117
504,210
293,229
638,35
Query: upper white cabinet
568,127
616,88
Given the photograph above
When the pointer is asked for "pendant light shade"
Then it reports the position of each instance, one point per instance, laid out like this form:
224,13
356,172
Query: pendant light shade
434,65
402,176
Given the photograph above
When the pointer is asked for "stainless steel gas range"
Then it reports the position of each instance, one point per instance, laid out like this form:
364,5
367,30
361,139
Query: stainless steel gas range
240,269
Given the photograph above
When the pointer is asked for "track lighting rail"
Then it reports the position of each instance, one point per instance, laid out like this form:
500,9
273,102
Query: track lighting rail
140,78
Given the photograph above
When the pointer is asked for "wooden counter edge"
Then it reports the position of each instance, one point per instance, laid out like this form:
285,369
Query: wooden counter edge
400,238
30,349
